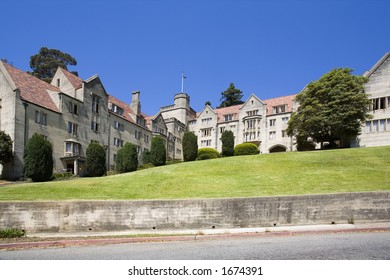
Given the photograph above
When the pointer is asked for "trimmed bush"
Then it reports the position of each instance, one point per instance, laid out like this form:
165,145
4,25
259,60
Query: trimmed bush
246,149
190,146
127,158
95,164
6,153
227,139
38,159
158,152
207,153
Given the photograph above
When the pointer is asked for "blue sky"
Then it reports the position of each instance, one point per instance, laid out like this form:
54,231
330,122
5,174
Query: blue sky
269,48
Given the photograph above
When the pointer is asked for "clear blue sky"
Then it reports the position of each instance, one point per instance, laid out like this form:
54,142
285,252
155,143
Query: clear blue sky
269,48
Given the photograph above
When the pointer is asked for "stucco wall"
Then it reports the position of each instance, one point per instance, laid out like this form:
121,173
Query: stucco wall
79,216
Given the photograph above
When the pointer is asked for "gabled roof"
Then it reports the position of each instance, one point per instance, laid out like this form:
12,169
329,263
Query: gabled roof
75,81
377,65
32,89
221,112
283,100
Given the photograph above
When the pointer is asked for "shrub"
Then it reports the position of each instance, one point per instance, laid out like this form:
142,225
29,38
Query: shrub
146,157
158,152
5,147
227,139
246,149
38,159
207,153
95,164
127,158
190,146
11,233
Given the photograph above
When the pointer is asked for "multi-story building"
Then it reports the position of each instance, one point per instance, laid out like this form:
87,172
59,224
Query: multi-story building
376,131
71,113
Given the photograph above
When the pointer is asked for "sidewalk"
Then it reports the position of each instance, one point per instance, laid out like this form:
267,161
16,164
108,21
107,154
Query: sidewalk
138,236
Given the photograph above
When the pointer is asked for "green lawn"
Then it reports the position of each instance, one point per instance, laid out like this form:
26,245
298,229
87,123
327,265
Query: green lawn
348,170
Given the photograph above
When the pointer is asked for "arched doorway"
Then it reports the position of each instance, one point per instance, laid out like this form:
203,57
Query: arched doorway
278,149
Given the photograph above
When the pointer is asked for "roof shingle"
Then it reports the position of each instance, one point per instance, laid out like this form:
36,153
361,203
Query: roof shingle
32,89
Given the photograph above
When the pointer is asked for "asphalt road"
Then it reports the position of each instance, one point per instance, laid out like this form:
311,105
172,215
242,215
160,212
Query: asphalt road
329,246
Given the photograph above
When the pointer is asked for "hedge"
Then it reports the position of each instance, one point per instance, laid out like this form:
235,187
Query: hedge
246,149
207,153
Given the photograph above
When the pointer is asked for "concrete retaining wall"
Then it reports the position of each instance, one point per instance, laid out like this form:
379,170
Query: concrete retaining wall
79,216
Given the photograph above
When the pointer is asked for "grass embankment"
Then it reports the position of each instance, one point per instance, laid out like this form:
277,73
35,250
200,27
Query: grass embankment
348,170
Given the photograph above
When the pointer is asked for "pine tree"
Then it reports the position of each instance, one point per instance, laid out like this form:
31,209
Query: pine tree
127,158
231,96
95,164
190,146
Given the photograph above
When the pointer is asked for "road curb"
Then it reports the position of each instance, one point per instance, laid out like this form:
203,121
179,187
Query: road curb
261,232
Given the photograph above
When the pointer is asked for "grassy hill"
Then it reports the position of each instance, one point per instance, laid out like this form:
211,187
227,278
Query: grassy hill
348,170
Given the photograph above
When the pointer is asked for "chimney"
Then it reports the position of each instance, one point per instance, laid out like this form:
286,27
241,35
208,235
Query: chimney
135,104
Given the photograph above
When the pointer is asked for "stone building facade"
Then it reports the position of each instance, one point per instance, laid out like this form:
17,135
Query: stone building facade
376,132
71,113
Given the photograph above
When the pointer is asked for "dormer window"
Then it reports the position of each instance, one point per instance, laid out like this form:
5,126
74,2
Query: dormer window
116,109
228,117
279,109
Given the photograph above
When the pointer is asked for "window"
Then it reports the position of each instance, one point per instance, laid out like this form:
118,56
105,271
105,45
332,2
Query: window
119,126
95,103
368,127
381,125
252,113
284,133
138,134
72,128
141,121
205,143
73,108
206,121
95,126
117,109
279,109
118,142
379,103
272,135
221,129
72,149
192,122
146,138
40,118
285,119
228,117
388,125
206,132
58,82
272,122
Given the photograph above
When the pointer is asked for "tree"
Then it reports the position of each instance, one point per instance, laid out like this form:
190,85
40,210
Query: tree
190,146
227,139
6,153
207,103
127,158
45,63
158,152
231,96
95,164
38,159
331,109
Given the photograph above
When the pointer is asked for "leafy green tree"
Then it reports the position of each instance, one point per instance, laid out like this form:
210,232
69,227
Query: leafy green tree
331,109
227,139
127,158
158,152
6,153
45,63
38,159
190,146
95,164
231,96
